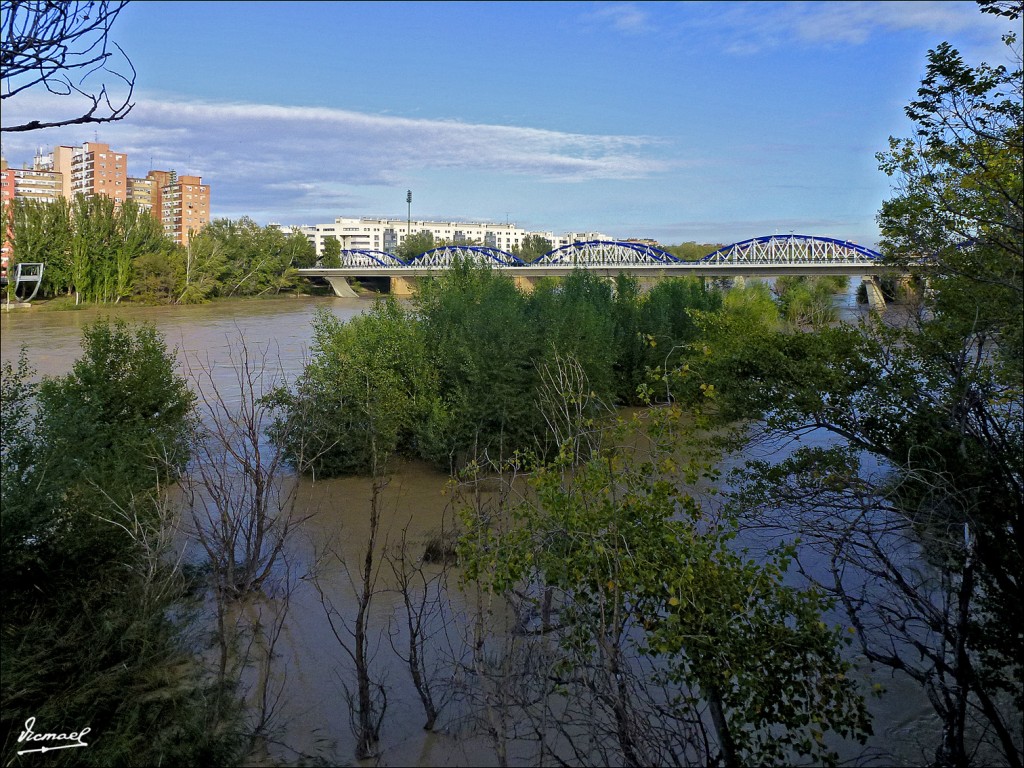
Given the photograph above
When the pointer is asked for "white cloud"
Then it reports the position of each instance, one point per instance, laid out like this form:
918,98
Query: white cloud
622,17
253,154
747,28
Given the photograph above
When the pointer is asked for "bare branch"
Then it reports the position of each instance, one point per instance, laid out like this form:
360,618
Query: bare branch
63,47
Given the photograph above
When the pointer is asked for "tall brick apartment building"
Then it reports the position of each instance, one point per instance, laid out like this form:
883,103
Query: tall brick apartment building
180,204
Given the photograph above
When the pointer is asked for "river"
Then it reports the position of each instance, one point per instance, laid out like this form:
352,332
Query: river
312,715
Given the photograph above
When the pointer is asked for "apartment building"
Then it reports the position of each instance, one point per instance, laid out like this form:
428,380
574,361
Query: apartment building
7,184
148,192
185,207
41,186
91,169
180,204
383,234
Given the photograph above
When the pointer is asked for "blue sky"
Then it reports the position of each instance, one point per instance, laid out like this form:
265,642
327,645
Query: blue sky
712,122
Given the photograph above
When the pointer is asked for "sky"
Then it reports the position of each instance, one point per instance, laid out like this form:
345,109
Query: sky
711,122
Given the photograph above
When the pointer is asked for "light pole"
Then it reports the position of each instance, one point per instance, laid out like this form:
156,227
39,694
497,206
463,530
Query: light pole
408,226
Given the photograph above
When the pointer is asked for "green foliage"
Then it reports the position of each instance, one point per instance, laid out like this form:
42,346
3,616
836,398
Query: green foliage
366,386
101,252
303,252
415,244
691,251
937,403
485,349
257,260
41,232
961,199
476,328
331,256
574,318
644,579
807,301
532,248
113,427
87,638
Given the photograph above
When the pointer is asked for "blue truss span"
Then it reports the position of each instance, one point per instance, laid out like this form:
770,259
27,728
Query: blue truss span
770,250
793,249
477,254
609,253
366,258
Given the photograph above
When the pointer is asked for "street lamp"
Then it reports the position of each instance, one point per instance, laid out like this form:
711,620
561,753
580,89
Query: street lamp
408,226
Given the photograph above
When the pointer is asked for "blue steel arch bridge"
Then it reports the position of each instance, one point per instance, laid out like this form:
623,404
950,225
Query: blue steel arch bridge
767,256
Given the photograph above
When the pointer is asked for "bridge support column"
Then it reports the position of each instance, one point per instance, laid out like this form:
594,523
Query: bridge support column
876,299
341,287
402,286
525,284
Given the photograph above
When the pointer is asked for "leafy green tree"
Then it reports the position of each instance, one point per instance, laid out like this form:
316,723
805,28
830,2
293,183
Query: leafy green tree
42,233
303,252
808,301
203,264
415,244
631,342
88,637
668,318
573,317
959,214
139,236
331,256
657,622
532,248
691,251
93,248
366,387
476,330
935,407
156,279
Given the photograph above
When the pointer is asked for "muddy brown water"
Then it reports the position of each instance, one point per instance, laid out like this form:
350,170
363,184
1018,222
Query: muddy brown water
309,667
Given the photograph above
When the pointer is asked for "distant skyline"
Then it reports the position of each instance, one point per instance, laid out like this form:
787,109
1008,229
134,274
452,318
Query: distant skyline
705,121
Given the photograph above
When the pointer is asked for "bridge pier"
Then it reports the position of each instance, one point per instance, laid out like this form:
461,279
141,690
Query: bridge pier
341,287
525,284
402,286
876,299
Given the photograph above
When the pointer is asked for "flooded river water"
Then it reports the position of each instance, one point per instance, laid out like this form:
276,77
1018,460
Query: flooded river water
310,665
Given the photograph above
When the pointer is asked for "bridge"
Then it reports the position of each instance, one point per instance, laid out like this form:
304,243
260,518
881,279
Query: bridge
768,256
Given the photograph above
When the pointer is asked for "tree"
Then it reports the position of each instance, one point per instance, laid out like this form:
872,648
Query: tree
303,253
691,251
415,244
59,47
331,256
92,627
918,445
958,217
476,327
367,384
42,233
532,248
659,626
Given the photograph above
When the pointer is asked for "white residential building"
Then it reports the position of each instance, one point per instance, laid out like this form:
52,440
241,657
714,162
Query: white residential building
382,234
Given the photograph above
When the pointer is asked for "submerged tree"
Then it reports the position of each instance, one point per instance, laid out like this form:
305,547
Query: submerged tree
649,624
